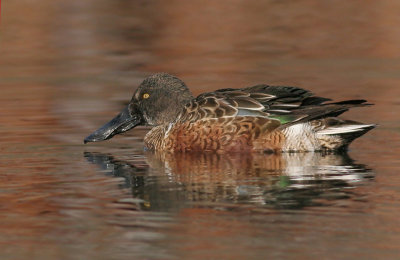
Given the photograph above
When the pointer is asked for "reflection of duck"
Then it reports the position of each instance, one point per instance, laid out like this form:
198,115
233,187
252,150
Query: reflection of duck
259,118
285,180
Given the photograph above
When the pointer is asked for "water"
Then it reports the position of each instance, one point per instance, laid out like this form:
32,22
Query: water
67,67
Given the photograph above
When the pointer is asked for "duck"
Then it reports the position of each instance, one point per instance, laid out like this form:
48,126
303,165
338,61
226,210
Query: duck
261,118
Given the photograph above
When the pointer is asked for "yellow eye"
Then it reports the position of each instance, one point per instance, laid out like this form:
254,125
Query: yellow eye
145,95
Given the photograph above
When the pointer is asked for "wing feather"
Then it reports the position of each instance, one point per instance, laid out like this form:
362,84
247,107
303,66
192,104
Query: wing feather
290,105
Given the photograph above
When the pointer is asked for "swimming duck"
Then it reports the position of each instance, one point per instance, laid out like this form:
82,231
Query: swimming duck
260,118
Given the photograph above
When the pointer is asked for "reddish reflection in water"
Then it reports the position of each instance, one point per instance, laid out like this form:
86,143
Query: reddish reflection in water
66,67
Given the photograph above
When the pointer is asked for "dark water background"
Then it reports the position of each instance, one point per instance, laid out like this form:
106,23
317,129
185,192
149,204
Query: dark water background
66,67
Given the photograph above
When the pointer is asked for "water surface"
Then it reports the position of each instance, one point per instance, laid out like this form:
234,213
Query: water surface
67,67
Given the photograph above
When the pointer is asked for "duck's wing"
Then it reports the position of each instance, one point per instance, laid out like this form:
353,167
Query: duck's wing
281,94
293,105
288,105
258,101
225,103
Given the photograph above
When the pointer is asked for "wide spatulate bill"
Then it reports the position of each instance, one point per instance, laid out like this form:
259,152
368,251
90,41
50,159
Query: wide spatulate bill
124,121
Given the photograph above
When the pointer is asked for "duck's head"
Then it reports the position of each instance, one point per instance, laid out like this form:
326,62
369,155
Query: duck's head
158,100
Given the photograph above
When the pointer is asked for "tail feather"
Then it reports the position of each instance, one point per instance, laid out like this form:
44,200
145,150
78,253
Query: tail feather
352,102
345,129
335,133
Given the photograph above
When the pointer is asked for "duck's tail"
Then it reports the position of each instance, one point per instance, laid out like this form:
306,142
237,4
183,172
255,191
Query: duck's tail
335,133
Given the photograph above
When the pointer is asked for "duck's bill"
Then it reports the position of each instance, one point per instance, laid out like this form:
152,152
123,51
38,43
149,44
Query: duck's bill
119,124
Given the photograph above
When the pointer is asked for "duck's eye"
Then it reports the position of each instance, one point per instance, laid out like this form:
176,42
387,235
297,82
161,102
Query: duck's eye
146,95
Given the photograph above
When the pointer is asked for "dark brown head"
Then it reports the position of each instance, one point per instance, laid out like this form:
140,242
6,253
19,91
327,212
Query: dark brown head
158,100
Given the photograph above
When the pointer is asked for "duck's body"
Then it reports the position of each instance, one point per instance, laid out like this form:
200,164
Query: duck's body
259,118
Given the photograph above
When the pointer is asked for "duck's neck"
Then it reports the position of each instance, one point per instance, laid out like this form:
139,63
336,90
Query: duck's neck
155,138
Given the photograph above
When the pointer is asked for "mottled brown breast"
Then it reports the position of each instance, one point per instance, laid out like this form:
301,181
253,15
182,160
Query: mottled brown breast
227,134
